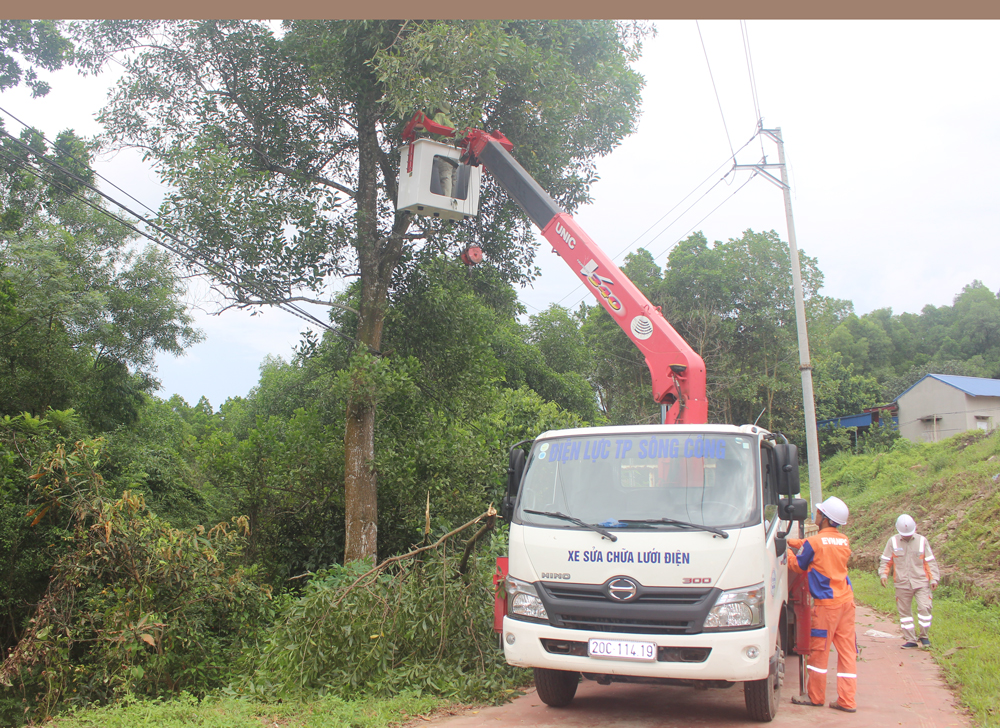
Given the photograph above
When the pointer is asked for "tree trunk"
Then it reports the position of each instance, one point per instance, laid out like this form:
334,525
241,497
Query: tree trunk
377,259
360,485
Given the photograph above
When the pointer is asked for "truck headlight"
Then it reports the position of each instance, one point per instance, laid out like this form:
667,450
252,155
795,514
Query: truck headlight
737,609
523,601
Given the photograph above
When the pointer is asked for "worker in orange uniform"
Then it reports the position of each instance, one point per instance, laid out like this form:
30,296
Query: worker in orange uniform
824,557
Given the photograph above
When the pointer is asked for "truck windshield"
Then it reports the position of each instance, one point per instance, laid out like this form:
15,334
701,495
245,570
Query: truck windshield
633,481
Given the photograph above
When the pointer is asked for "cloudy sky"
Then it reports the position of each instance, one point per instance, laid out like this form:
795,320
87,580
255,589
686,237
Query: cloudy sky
891,137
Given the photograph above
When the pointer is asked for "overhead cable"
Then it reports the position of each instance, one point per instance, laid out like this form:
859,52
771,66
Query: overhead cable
181,249
714,88
620,253
745,32
84,161
685,235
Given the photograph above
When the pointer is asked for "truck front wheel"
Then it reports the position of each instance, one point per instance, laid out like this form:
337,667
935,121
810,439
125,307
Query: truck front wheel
762,696
556,688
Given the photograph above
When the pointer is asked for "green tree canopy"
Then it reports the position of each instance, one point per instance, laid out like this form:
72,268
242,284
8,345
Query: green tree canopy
85,311
36,43
281,148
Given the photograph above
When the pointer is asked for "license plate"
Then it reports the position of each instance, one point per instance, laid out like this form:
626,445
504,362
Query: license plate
622,650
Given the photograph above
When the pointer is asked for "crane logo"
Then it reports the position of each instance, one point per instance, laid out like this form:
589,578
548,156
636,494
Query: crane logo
603,287
565,235
642,327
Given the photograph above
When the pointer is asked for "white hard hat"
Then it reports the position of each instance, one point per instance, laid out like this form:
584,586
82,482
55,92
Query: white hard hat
906,525
834,509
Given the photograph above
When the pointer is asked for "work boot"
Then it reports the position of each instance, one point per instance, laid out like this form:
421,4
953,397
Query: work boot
838,706
925,642
910,645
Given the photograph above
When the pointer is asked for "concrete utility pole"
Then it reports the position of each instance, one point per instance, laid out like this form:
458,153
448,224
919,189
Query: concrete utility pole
808,400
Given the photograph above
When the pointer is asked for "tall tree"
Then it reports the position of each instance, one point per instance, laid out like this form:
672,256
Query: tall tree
280,145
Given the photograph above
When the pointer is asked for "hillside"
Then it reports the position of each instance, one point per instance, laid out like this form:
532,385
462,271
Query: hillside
951,488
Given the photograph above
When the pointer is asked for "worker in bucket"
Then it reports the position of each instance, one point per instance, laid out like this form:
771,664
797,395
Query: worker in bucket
445,168
909,558
824,557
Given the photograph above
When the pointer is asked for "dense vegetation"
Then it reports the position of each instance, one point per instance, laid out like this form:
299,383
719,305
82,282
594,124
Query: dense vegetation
153,548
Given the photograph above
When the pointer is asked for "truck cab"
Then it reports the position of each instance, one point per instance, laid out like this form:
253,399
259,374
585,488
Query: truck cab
650,554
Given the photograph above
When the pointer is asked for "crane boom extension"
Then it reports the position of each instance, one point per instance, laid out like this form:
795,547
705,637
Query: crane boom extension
678,372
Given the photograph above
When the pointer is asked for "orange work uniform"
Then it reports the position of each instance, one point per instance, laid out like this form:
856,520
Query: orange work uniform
824,557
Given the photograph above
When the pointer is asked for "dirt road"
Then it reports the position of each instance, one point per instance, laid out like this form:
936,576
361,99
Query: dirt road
895,688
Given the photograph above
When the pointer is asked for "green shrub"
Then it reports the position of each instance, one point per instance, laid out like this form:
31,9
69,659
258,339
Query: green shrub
133,606
414,623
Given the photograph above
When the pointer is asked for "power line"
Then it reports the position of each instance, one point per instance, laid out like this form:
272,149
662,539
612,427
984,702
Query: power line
178,252
745,32
676,242
84,161
628,247
184,251
710,213
714,88
759,119
938,414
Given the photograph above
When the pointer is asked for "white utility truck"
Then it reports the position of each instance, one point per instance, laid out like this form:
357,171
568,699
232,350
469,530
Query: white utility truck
651,554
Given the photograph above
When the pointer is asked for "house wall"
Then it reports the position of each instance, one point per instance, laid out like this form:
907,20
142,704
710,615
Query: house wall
983,413
933,410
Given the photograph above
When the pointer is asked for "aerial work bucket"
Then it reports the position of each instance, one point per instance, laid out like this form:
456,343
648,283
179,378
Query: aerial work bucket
433,181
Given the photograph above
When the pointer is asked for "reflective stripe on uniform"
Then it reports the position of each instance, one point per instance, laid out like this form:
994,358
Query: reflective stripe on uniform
847,674
816,669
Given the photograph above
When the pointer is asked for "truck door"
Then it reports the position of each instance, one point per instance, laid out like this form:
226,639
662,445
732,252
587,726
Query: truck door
777,573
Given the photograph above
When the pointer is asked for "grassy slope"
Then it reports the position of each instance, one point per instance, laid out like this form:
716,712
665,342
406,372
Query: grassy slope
949,489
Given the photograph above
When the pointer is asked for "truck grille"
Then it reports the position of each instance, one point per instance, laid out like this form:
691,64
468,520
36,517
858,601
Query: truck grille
653,610
647,595
638,626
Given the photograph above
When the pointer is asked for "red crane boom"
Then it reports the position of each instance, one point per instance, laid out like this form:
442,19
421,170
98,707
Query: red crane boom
677,371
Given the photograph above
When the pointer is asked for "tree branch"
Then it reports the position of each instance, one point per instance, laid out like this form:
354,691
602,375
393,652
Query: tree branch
273,166
293,299
491,512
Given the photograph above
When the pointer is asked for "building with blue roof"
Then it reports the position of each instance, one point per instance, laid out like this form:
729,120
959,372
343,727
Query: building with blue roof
941,405
884,414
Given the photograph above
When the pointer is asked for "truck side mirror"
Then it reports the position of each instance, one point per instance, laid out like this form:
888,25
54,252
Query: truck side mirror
780,543
793,509
515,469
787,461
